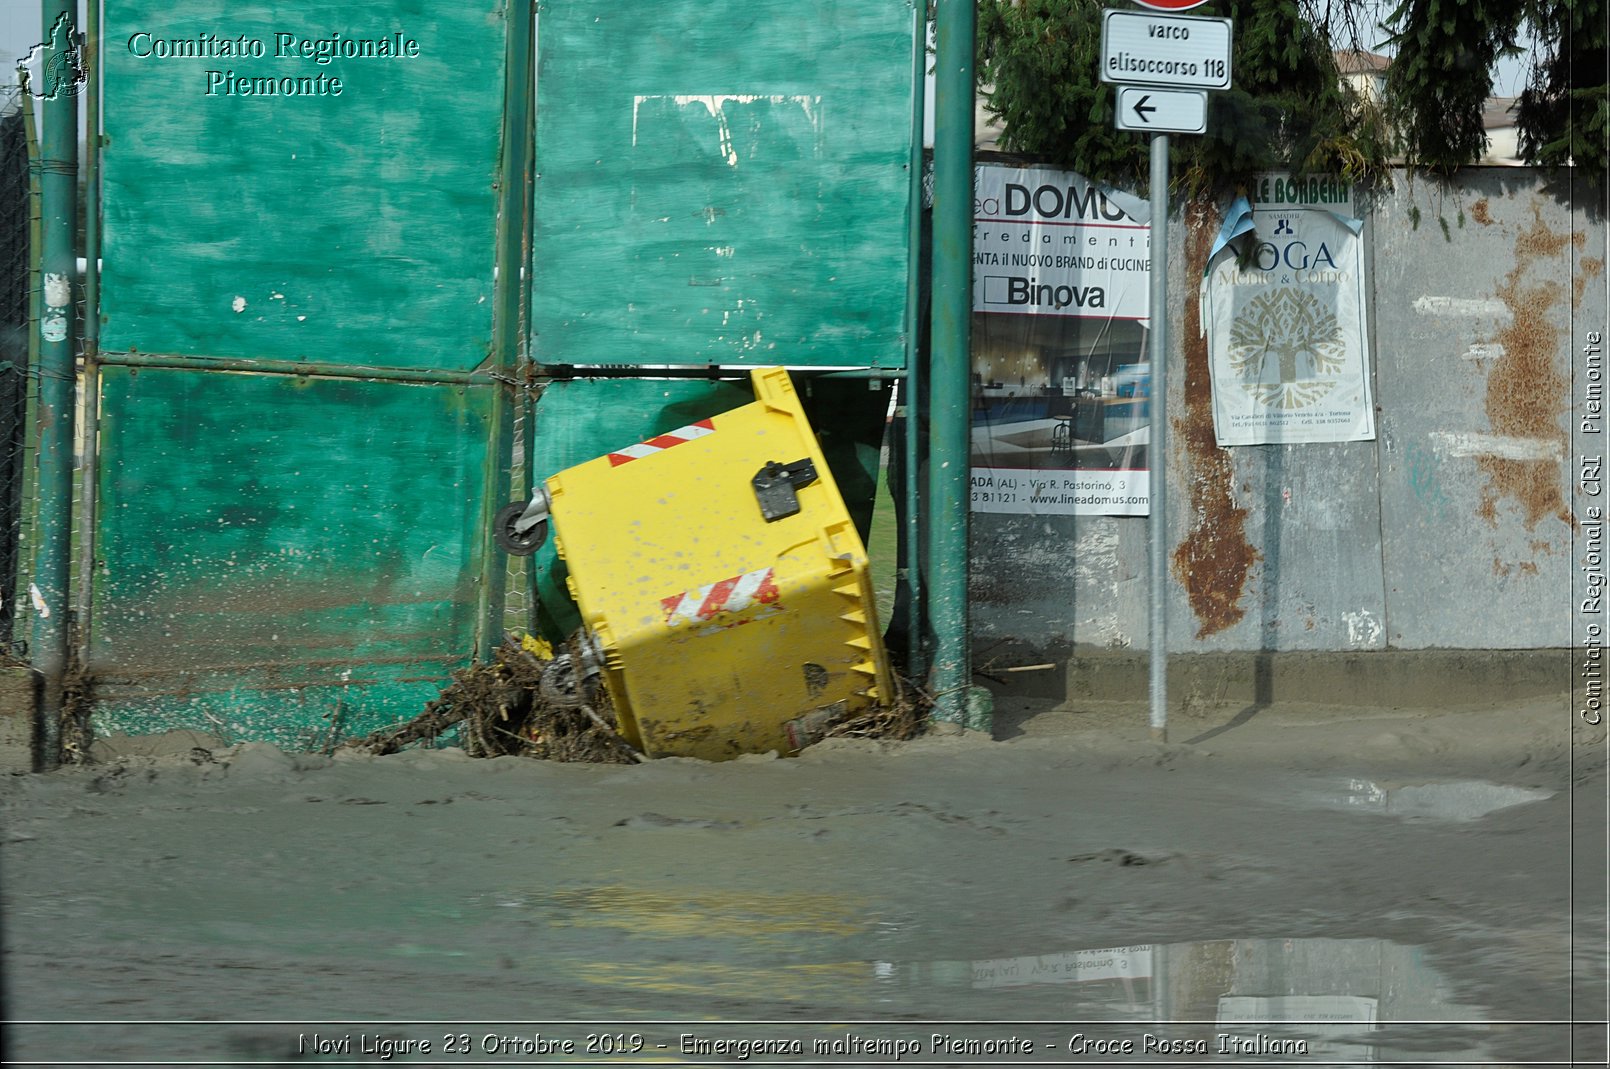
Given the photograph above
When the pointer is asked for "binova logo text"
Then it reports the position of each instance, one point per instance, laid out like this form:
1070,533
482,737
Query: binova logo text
1029,291
1015,289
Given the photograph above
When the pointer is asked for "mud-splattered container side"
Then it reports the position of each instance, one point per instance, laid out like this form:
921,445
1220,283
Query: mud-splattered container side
722,581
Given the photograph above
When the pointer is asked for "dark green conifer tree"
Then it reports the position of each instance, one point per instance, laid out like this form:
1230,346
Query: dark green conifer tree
1288,108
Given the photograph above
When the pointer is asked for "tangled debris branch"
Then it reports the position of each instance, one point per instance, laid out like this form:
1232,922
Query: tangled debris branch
515,706
78,700
904,718
530,702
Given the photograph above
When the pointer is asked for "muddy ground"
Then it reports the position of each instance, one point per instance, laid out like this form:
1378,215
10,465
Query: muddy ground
1337,877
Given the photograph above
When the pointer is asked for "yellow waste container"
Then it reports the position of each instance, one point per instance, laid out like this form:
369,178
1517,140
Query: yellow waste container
722,580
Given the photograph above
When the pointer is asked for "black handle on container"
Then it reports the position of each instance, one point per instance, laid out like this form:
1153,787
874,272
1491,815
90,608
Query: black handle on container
776,485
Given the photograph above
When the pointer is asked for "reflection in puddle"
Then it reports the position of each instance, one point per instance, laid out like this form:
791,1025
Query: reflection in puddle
1231,997
1325,998
1079,966
770,919
1456,801
1320,981
800,948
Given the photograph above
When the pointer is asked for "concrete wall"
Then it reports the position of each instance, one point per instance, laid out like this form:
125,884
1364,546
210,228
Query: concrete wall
16,720
1454,529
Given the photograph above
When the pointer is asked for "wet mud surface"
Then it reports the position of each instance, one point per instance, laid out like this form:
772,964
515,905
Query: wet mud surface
1356,867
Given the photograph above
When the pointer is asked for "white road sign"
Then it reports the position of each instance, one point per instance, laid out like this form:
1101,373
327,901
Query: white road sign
1162,111
1182,51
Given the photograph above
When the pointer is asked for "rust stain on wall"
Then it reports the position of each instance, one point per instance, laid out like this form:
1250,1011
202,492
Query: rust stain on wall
1214,560
1480,213
1503,570
1590,267
1526,391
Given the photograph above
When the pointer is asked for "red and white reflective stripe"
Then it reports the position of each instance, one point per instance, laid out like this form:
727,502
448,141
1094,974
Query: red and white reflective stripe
729,595
661,442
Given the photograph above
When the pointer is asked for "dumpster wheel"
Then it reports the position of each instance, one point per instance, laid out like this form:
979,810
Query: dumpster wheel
562,684
511,540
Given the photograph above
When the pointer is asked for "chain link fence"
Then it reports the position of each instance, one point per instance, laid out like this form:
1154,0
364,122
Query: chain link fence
16,439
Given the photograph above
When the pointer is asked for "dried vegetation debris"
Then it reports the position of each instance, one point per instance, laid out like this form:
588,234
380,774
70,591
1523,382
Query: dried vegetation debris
78,702
530,701
516,705
904,718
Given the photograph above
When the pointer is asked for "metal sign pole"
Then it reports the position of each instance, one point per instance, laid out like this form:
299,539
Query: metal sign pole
1163,67
950,364
53,552
1157,444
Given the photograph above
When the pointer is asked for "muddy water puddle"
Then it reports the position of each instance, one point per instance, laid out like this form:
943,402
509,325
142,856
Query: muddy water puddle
1457,801
1353,1000
765,985
972,908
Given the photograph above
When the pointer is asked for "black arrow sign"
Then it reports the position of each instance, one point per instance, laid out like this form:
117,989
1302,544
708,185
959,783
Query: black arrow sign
1141,110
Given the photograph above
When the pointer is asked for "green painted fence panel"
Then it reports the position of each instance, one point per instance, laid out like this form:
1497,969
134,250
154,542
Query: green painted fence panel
277,551
279,557
724,182
347,216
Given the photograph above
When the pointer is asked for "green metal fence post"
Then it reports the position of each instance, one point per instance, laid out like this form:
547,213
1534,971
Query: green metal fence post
950,372
909,388
57,333
506,326
90,417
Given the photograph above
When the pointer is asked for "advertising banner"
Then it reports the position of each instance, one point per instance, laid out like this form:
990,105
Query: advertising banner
1060,383
1283,310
